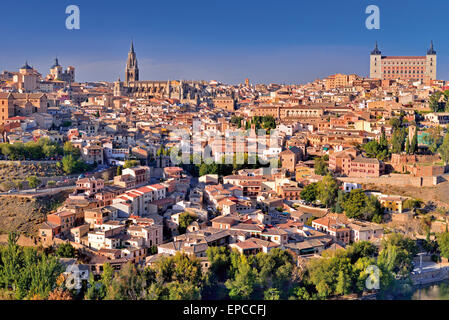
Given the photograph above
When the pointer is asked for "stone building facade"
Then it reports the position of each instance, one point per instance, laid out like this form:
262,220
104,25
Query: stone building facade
422,68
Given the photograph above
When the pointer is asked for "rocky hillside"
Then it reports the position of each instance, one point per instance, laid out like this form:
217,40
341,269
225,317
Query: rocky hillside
26,214
11,171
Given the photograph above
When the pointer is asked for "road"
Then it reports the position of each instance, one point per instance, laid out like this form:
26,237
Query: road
37,191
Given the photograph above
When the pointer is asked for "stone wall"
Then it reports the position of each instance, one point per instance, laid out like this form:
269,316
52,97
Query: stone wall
397,180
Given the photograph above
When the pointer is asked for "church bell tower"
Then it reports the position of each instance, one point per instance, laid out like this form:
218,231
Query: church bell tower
132,70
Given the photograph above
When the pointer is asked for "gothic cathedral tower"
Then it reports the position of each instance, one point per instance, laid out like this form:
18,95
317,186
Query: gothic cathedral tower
132,71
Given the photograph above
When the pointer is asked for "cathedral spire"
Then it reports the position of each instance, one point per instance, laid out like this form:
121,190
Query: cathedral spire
431,49
132,70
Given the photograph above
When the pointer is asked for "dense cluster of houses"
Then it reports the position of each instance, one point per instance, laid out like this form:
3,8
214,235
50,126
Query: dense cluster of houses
132,215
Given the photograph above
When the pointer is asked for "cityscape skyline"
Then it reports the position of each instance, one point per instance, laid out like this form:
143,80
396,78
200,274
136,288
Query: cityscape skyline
224,151
191,45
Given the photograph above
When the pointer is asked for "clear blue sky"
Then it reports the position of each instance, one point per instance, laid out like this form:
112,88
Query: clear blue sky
280,41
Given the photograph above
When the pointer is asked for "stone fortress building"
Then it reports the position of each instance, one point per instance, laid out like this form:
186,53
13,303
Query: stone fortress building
185,92
422,68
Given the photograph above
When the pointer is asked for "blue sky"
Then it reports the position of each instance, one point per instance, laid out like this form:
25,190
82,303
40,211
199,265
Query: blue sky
281,41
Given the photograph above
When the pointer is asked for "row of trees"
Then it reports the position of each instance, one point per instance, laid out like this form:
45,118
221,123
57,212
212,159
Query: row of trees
29,273
400,142
43,149
260,122
235,120
342,271
383,148
223,168
270,276
355,204
33,182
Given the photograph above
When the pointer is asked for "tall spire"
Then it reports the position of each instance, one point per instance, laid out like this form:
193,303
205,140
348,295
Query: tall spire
431,49
26,66
132,70
376,49
56,64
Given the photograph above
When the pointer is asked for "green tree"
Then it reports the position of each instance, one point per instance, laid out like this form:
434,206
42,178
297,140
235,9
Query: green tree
374,149
397,254
343,285
68,164
50,150
444,149
434,102
186,268
355,203
243,284
219,262
340,203
433,138
185,219
301,293
203,169
28,273
70,149
310,192
271,294
412,204
361,249
108,274
119,170
50,183
183,291
128,284
131,163
321,167
322,273
398,140
327,191
443,244
414,144
33,181
65,250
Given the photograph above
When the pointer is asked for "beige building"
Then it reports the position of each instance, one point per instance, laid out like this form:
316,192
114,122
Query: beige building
422,68
21,104
339,80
